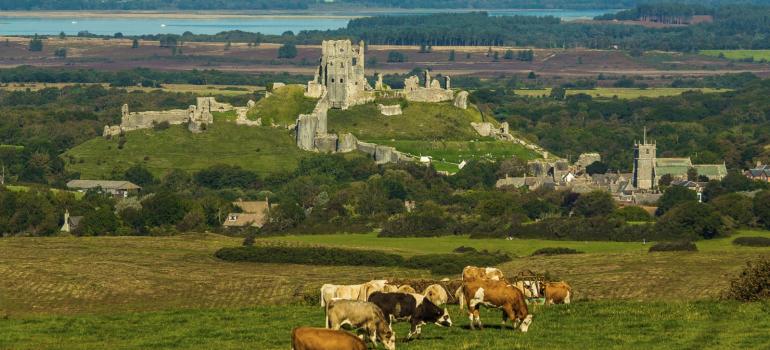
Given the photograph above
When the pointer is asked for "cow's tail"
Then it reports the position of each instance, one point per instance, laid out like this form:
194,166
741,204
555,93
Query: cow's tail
323,302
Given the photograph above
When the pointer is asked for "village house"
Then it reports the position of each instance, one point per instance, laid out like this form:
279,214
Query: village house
115,188
253,213
760,173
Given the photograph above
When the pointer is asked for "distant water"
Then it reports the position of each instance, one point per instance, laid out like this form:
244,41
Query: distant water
107,25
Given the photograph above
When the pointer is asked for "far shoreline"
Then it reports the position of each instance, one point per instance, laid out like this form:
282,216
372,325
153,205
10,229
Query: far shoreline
336,13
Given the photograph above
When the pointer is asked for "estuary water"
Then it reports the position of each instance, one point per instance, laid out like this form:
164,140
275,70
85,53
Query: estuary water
178,23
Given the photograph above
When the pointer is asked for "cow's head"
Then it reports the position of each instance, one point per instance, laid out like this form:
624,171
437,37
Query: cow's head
532,289
388,338
431,313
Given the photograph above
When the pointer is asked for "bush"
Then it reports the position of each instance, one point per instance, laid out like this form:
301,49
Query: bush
579,229
691,221
753,284
310,256
396,57
161,126
632,213
680,246
464,249
555,251
752,241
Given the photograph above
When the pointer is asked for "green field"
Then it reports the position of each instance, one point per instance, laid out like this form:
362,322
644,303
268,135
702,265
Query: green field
584,325
516,247
756,55
264,150
622,93
283,106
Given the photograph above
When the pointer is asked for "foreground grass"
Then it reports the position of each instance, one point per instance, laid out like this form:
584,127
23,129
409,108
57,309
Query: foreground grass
264,150
621,93
756,55
586,325
283,106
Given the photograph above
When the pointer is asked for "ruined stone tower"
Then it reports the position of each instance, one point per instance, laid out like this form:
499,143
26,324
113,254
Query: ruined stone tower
644,164
341,71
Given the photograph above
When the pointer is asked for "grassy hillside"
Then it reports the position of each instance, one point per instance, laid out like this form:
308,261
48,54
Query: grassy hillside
283,106
264,150
419,121
586,325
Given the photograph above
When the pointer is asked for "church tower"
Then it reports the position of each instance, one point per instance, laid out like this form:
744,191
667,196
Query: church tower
644,164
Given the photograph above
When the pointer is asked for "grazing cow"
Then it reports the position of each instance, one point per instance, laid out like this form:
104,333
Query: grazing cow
361,315
436,294
531,289
389,288
350,292
496,294
556,292
486,273
306,338
406,289
411,307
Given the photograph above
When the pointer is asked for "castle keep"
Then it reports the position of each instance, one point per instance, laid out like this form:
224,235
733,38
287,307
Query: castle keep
341,73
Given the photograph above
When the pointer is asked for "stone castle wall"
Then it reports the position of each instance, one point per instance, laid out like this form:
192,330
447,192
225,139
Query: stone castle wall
196,116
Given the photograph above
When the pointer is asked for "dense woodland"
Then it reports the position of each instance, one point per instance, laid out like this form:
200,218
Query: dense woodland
734,27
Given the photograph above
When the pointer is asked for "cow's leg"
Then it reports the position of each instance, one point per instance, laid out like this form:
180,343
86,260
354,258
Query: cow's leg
508,312
372,334
470,317
525,324
477,318
566,299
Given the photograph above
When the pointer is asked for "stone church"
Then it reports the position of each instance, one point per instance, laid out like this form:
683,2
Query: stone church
648,168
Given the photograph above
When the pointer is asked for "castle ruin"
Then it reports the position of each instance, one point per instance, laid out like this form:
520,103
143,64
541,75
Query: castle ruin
195,116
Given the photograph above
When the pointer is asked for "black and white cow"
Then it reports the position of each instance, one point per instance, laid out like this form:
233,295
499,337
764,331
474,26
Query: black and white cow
414,308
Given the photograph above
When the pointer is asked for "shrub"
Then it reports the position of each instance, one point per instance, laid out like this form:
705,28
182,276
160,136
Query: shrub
595,203
309,256
161,126
580,229
680,246
632,213
288,50
752,241
753,284
691,221
555,251
396,57
464,249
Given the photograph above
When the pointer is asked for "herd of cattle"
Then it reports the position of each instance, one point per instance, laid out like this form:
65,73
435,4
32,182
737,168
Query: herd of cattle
373,306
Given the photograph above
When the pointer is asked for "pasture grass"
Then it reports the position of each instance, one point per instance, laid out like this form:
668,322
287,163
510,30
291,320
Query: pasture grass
621,93
582,325
283,106
21,188
756,55
263,150
105,275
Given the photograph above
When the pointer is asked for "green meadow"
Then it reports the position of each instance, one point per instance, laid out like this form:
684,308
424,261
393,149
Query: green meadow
621,93
582,325
756,55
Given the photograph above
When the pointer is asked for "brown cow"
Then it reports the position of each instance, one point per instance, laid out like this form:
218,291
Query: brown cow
487,273
556,292
306,338
361,315
496,294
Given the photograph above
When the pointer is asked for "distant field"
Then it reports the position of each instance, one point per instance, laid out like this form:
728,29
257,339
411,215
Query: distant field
757,55
201,90
582,325
19,188
517,247
283,106
106,275
622,93
264,150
